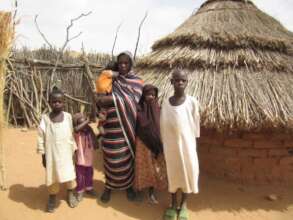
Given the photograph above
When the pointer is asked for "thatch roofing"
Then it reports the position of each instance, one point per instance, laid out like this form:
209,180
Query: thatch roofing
240,65
6,38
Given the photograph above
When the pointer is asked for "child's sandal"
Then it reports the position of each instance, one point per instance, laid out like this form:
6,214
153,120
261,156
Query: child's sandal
91,192
153,199
79,196
71,199
51,203
170,214
183,214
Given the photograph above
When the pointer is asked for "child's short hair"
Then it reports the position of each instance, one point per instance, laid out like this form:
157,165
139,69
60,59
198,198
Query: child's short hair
178,71
55,91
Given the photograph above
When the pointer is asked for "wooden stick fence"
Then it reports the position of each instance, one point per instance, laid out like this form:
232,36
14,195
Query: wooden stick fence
26,88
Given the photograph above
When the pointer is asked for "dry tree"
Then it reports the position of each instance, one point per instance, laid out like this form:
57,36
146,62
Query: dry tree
59,53
138,35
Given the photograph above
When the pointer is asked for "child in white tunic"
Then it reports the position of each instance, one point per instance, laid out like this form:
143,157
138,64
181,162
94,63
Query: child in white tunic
57,146
180,126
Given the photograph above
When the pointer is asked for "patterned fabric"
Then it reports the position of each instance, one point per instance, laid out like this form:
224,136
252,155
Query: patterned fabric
149,171
119,138
127,91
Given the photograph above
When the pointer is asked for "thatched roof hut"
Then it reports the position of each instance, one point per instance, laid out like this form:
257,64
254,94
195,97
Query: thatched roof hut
240,65
239,60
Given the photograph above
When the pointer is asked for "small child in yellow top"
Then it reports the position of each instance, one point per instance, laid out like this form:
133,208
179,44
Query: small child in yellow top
104,87
106,77
104,82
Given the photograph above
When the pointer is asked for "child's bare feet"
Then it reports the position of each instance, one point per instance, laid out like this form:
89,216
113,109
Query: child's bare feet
51,203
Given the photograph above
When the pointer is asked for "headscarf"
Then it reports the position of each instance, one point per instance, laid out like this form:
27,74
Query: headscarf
148,121
130,56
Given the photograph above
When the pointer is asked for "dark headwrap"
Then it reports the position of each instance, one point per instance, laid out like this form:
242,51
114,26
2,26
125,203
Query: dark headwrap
129,54
148,121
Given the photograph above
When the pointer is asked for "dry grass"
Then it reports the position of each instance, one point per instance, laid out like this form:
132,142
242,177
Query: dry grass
6,37
68,57
239,61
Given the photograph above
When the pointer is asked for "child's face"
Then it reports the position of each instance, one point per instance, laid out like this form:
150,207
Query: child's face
179,81
56,102
150,95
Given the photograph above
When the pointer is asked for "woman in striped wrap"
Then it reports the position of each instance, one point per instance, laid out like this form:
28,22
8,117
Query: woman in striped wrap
119,128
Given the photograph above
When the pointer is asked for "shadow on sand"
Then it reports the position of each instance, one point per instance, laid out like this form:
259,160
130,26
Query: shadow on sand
33,197
215,194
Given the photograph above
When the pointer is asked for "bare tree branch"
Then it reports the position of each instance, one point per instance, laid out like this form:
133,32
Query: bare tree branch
15,12
76,36
73,20
59,54
114,43
138,36
83,49
41,33
67,40
91,82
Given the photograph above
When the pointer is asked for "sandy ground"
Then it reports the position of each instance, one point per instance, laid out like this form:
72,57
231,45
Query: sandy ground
218,199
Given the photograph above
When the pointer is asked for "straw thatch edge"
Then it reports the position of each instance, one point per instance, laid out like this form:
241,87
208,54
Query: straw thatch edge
226,42
6,38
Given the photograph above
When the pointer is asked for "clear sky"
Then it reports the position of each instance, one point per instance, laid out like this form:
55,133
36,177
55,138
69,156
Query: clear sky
99,27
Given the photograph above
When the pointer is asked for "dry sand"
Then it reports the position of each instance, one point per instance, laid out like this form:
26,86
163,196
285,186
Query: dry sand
218,199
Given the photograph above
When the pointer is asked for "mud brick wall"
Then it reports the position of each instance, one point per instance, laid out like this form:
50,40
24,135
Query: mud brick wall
257,158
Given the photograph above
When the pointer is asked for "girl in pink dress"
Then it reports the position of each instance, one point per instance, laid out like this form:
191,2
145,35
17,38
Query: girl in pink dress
86,143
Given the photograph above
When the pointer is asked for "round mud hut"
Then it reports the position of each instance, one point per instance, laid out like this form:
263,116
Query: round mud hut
240,65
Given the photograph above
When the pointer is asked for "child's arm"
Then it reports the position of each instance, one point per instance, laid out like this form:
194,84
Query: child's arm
41,141
72,139
44,162
196,117
115,74
94,139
